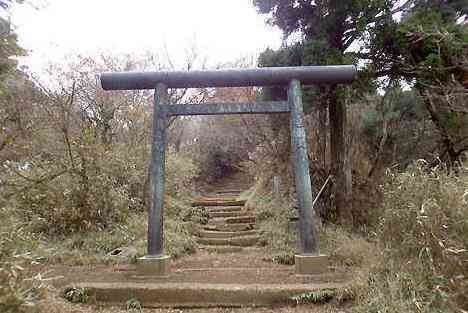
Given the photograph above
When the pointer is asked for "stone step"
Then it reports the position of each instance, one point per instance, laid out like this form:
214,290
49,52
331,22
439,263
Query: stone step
217,198
226,194
222,249
224,209
225,214
218,203
248,219
229,191
230,227
153,294
225,234
243,241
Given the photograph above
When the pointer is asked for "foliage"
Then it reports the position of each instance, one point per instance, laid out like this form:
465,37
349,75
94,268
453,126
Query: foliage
8,47
219,145
322,32
272,219
198,215
66,204
348,249
94,247
19,289
395,120
181,171
423,227
19,286
319,296
133,304
396,106
179,240
284,258
74,172
426,44
76,294
428,49
84,167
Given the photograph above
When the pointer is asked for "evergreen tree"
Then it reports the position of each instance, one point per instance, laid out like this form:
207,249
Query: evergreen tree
428,48
327,29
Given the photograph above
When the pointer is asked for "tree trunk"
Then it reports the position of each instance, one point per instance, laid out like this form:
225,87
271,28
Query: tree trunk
322,136
340,162
447,140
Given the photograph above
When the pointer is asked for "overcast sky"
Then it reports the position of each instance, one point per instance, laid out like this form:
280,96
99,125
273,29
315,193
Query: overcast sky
221,30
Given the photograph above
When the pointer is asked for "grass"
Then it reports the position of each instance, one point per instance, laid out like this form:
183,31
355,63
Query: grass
422,230
414,255
133,305
345,249
20,286
319,296
413,258
22,253
76,294
95,247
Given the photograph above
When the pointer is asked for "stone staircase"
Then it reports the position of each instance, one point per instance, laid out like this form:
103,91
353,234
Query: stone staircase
226,272
229,228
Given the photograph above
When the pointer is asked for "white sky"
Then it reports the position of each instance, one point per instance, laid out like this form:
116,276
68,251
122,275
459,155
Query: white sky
220,30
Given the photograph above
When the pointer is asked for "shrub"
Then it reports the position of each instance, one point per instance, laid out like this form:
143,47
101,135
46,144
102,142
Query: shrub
69,203
92,199
272,218
133,305
349,249
76,294
285,258
319,296
180,174
178,238
197,215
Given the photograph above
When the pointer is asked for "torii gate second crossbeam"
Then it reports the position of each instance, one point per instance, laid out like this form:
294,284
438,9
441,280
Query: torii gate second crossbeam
309,260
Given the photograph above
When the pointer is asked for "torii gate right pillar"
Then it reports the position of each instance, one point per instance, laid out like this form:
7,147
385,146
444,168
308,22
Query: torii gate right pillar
309,261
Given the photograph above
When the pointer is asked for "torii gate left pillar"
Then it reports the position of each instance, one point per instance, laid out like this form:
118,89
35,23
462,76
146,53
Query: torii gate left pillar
308,260
156,263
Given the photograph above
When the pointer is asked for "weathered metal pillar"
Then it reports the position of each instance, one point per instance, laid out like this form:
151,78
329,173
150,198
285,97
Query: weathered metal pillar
157,167
308,233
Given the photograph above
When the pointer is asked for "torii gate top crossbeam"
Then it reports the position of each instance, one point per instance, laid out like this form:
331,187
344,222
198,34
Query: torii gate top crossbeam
265,76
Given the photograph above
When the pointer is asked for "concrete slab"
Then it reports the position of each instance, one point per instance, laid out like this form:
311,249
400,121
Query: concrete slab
197,294
202,279
311,264
153,265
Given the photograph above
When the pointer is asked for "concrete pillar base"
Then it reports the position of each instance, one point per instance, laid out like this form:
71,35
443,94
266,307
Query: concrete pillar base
311,264
153,265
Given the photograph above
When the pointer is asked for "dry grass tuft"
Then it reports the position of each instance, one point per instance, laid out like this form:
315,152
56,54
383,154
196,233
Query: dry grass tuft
423,229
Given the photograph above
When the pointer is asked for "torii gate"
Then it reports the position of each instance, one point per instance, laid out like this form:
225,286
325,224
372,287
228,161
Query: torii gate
309,260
